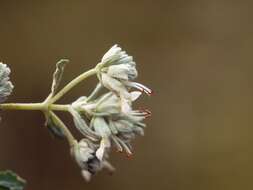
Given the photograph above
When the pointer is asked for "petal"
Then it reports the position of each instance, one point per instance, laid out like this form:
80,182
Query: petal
111,52
125,105
101,127
135,95
112,84
86,175
122,71
81,125
104,144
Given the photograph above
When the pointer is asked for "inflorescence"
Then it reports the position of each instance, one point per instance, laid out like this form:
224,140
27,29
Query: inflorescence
105,120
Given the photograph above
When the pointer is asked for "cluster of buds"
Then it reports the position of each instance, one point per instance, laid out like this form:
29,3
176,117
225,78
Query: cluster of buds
6,86
109,120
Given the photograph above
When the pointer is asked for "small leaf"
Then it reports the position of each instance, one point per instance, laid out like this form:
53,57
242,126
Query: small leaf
53,128
60,65
11,181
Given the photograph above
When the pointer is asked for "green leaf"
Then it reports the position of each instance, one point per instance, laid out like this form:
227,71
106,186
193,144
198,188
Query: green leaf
11,181
54,129
60,66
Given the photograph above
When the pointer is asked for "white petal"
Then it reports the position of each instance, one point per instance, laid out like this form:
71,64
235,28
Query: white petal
100,152
125,105
101,127
114,50
122,71
117,71
135,95
113,84
86,175
105,143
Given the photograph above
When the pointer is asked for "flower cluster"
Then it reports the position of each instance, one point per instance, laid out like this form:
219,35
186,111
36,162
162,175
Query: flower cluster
110,119
6,86
84,154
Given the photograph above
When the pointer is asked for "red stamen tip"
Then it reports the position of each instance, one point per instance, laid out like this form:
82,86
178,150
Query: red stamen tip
129,156
111,173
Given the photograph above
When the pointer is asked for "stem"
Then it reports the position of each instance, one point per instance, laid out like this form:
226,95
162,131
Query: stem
95,92
34,106
21,106
60,124
72,84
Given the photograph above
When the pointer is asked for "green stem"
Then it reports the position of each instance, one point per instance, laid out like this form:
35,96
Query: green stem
34,106
21,106
66,131
72,84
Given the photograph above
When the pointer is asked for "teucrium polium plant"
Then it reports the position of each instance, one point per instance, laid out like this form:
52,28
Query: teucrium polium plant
105,118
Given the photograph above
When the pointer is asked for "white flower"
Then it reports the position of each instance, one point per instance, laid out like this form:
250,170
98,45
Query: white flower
110,120
109,124
122,71
102,128
114,104
84,154
116,72
115,56
6,86
81,125
107,104
125,127
119,130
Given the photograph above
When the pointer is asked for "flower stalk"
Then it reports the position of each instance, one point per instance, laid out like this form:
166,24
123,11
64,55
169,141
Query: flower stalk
72,84
34,106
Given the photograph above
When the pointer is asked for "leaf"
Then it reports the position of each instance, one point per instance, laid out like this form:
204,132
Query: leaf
60,66
53,128
11,181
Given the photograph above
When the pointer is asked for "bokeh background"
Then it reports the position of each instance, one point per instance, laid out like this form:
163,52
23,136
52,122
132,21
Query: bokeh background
195,54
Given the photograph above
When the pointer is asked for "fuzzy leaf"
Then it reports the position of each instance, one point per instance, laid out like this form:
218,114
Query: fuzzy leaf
53,128
60,65
11,181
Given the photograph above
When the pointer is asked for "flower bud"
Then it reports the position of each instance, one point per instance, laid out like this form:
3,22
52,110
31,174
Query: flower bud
6,86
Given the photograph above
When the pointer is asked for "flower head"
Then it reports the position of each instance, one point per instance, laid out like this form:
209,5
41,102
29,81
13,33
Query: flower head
117,71
84,154
110,120
6,86
107,104
110,124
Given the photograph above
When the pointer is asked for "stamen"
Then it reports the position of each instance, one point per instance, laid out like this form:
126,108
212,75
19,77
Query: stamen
140,87
129,156
143,112
123,144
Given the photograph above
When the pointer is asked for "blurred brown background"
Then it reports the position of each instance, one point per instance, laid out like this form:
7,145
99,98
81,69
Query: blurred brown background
195,54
